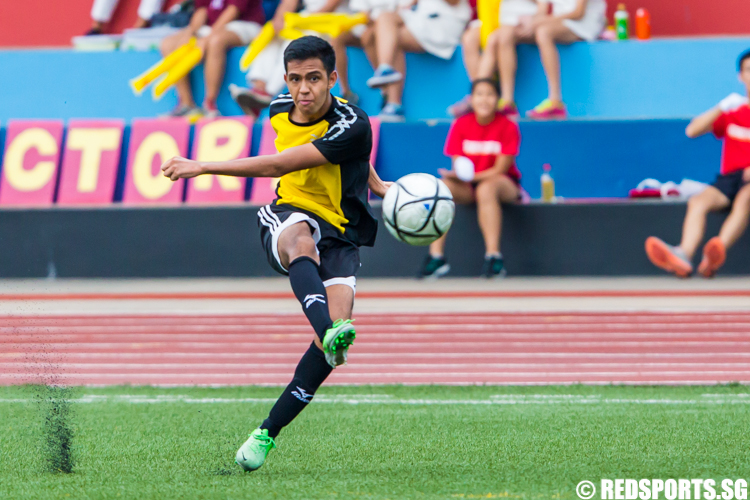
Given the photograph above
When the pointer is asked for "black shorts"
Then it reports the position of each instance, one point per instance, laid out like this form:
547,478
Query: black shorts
339,257
729,184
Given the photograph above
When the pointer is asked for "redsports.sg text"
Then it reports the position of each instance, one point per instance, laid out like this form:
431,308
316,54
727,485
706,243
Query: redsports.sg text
670,489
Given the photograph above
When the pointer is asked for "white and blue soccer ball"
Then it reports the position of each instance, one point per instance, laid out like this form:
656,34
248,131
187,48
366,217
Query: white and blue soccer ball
418,209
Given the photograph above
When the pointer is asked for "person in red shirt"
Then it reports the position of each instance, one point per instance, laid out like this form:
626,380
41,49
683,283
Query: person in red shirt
218,25
483,146
730,121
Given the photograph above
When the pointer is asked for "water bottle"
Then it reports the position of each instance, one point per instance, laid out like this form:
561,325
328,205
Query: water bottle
622,22
642,24
548,184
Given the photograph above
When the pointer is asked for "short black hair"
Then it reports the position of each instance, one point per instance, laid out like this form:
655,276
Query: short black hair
741,59
311,47
490,81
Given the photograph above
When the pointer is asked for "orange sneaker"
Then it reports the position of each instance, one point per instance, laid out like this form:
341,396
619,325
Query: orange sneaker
714,255
548,110
667,257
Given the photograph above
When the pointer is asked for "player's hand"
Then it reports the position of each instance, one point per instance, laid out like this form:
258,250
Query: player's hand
732,102
181,168
379,188
746,175
278,23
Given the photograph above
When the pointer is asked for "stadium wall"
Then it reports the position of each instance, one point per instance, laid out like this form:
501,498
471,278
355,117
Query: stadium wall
538,240
44,23
656,79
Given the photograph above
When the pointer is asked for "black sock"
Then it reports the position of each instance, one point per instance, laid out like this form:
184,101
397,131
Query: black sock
311,371
309,289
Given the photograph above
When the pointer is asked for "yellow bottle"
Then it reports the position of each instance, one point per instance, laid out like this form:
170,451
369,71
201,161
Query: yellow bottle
548,185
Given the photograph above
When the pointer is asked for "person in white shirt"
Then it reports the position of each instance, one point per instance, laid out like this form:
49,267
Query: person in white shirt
432,26
569,21
102,10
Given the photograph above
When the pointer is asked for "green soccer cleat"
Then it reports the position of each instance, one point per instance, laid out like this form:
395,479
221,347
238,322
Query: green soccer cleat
337,340
253,453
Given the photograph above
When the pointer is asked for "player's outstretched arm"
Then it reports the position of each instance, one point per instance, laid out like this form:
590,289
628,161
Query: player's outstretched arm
290,160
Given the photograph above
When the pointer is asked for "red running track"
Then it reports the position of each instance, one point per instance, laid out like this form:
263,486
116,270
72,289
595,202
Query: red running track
492,348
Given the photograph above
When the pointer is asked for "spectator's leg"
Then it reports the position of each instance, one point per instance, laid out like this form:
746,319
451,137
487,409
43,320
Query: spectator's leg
736,222
462,195
507,61
405,42
546,35
217,45
698,207
146,11
471,51
101,13
168,45
487,64
368,45
490,194
340,44
386,37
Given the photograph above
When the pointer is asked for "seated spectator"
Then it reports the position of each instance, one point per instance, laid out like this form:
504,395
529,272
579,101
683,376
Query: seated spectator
487,142
570,21
265,78
433,26
730,121
102,10
361,36
219,25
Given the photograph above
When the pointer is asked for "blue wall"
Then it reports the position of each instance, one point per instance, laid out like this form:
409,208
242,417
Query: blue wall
665,78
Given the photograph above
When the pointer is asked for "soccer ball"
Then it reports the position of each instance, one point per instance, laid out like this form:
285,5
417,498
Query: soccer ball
418,209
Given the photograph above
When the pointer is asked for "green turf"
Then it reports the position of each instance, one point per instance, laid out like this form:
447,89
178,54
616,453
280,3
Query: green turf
181,450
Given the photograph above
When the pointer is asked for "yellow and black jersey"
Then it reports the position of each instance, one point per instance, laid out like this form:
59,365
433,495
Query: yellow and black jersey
337,191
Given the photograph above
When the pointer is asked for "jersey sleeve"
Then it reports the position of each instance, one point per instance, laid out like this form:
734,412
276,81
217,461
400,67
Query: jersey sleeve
454,141
720,125
511,140
202,4
347,139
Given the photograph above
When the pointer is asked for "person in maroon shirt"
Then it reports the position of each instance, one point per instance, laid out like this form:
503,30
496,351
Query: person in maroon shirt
730,121
218,25
483,146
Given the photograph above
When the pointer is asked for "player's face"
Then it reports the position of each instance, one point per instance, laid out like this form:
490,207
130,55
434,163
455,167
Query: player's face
484,101
310,85
745,74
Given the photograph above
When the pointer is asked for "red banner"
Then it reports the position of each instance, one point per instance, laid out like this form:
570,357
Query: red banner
152,142
220,139
30,162
90,160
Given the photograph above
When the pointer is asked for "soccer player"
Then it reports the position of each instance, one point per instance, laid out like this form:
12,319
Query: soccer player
312,231
730,121
488,143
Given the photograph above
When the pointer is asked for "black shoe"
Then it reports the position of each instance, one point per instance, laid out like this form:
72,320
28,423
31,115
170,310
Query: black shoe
493,267
93,32
434,267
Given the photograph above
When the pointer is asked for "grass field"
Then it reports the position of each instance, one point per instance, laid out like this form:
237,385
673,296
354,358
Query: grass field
374,442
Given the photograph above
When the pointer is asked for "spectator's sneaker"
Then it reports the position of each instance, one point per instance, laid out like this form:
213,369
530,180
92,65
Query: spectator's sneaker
190,113
254,451
671,259
461,107
210,112
434,267
714,255
494,267
251,101
548,110
384,75
506,107
392,113
351,97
